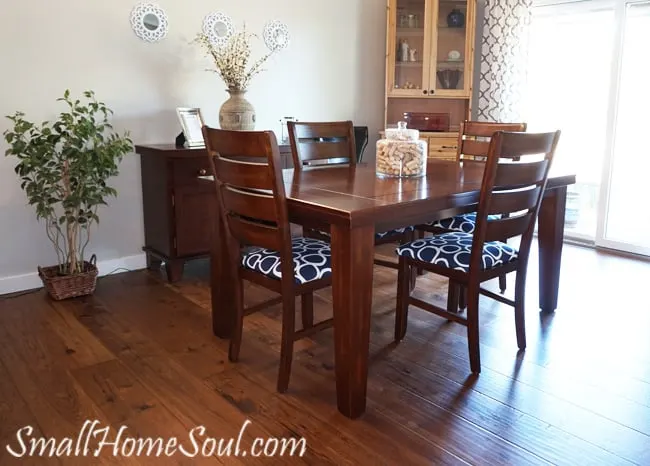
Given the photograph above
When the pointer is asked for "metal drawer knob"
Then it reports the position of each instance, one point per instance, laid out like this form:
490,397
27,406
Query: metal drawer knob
203,172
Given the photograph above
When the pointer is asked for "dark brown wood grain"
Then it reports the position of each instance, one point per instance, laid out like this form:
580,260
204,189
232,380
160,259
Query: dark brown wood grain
177,207
322,141
141,353
510,183
351,198
473,145
252,204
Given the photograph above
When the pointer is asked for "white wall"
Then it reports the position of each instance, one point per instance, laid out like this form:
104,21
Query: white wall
334,69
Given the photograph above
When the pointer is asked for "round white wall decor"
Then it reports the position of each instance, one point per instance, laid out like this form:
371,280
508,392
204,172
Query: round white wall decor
218,27
149,22
276,35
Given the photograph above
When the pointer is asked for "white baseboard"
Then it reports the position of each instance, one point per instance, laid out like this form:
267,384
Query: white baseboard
31,281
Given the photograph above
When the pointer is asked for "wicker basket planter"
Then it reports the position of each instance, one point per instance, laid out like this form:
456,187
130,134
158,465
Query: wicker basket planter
69,286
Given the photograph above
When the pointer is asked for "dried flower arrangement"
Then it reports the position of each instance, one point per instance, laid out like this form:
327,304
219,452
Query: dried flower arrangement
231,60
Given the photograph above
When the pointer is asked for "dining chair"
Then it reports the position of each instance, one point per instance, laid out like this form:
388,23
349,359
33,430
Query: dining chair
317,143
513,187
473,143
253,207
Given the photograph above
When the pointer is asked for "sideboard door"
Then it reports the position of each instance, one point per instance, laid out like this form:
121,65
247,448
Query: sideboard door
193,207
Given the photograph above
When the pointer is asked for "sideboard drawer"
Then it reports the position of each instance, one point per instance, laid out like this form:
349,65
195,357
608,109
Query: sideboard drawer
443,148
187,170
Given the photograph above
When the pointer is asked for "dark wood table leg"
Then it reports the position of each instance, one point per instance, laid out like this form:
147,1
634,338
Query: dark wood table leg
550,234
222,286
352,266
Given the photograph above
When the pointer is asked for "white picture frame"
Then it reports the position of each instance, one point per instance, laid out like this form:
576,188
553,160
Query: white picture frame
192,123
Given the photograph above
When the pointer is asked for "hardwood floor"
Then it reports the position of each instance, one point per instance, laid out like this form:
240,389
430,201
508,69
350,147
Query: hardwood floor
140,353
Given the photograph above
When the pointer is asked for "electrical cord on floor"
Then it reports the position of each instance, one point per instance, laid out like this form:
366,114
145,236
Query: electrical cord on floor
18,294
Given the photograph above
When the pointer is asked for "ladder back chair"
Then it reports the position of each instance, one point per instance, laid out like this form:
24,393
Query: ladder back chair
314,142
253,208
473,144
514,187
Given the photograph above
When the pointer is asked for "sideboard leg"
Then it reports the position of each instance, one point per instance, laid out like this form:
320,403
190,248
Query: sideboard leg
153,263
174,269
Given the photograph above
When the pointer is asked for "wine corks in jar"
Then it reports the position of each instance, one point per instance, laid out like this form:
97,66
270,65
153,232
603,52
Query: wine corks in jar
401,154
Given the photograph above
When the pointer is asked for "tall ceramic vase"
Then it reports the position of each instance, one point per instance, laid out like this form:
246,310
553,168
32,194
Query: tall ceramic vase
237,113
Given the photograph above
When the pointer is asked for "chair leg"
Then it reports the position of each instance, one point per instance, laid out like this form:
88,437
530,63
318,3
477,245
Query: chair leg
235,341
401,314
502,283
520,320
286,346
462,297
413,275
472,328
307,310
453,291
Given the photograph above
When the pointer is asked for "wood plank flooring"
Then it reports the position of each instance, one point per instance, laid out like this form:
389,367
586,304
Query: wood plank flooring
140,354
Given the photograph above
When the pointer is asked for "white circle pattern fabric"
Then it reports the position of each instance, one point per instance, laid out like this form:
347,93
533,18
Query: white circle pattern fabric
139,12
465,223
453,251
312,260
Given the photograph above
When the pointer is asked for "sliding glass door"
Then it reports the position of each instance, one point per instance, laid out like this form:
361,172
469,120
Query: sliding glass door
588,68
625,216
569,63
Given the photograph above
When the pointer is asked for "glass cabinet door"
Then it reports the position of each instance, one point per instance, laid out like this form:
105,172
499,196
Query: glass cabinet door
409,47
450,73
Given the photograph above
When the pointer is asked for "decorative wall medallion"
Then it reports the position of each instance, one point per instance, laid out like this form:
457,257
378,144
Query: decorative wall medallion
218,27
276,35
149,22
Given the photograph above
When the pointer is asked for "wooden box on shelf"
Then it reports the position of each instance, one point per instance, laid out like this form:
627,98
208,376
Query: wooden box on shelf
429,66
177,205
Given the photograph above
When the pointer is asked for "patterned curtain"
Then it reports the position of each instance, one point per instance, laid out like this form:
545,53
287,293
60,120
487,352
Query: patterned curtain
503,60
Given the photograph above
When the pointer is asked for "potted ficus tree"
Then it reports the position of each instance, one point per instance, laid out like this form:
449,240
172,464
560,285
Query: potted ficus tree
64,166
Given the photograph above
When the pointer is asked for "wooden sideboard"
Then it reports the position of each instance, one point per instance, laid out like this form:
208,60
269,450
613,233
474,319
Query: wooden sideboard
177,206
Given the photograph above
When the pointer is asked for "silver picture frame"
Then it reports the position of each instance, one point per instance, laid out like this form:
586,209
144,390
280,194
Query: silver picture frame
192,123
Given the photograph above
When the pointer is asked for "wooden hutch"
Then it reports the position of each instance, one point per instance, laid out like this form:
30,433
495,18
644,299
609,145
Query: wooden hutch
429,69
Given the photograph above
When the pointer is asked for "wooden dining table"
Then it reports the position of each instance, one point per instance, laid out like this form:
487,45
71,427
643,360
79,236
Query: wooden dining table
354,203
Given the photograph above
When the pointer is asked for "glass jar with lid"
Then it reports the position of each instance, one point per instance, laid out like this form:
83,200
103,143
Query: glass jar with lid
401,153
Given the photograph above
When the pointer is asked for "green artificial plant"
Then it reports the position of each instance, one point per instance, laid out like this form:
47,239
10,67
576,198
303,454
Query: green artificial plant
63,167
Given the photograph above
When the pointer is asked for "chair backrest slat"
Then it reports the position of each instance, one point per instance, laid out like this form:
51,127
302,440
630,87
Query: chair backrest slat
516,145
476,148
520,174
253,175
317,141
254,233
310,150
513,201
512,188
259,205
474,138
486,129
497,230
250,190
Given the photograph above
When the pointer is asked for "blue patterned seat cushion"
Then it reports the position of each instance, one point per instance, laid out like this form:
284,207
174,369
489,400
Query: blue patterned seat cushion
465,223
383,235
453,250
312,260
